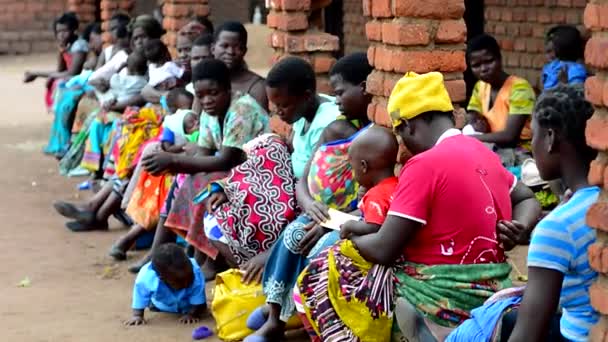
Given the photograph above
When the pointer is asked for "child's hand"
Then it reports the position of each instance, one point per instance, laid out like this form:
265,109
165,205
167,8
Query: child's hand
349,229
317,211
215,200
135,320
254,269
189,319
107,106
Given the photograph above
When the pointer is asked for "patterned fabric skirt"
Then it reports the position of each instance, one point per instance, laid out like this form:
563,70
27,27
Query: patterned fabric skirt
186,218
261,199
346,298
72,159
64,107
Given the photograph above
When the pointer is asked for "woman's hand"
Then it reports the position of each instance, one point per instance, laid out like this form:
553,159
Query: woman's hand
315,233
253,270
28,77
511,234
216,200
157,163
317,211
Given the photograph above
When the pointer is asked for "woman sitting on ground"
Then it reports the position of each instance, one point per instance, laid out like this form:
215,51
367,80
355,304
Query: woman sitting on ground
325,180
72,56
505,102
230,120
445,264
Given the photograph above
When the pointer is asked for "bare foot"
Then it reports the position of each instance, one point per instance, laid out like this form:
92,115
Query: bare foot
134,268
272,330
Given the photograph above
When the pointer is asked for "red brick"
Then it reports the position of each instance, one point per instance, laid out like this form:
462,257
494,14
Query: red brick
507,44
272,19
519,45
427,61
596,172
564,3
558,16
322,64
539,61
598,257
373,30
598,294
371,55
579,3
371,111
594,90
174,24
492,14
275,4
574,17
381,8
519,14
375,83
525,30
176,10
389,83
597,133
595,16
321,42
108,5
535,45
599,332
434,9
538,31
507,14
457,90
451,32
277,39
596,52
292,21
367,8
295,5
398,33
381,116
544,16
500,29
513,30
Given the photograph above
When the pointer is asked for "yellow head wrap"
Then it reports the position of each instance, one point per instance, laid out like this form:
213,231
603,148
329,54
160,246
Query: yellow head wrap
416,94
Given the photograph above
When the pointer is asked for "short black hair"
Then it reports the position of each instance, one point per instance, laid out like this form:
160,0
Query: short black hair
565,109
69,19
567,42
484,42
205,22
174,95
122,32
205,39
170,257
149,25
235,27
353,68
430,116
212,69
122,18
90,29
294,73
156,51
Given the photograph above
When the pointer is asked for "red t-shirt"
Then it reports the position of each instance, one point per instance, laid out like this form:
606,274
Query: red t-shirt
376,202
458,190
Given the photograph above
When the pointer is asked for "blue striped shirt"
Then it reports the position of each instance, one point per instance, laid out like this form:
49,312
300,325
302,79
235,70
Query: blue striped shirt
560,242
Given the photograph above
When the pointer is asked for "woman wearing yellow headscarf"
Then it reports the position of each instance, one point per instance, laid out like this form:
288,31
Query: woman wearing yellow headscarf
436,255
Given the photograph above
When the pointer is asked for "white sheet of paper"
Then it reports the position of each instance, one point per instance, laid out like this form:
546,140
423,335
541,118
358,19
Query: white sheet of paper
337,219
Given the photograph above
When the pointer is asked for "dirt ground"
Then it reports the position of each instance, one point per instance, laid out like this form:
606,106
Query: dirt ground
75,292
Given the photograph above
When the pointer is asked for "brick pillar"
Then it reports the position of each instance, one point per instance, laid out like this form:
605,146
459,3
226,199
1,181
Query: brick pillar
178,13
414,35
85,9
295,35
108,8
596,89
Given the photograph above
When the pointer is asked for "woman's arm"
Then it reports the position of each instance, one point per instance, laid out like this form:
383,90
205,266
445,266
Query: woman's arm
101,60
150,94
77,62
120,106
227,158
526,211
510,135
539,304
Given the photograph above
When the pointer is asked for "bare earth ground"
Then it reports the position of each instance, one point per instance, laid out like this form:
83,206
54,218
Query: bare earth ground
76,293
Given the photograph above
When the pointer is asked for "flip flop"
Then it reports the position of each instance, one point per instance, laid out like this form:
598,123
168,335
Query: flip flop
201,333
256,319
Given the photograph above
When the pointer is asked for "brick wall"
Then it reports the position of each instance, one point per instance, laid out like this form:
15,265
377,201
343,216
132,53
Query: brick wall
224,10
596,89
419,36
26,25
520,26
354,27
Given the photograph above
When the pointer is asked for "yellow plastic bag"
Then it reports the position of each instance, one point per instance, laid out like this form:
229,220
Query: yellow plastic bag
232,304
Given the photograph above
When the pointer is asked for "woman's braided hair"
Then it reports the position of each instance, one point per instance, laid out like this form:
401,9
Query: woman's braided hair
565,110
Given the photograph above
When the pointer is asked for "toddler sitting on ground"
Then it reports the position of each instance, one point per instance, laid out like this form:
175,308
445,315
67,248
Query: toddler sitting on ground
124,86
172,283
